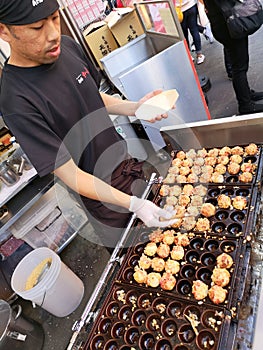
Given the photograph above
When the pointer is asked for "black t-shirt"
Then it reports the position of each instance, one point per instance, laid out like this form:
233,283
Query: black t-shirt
56,112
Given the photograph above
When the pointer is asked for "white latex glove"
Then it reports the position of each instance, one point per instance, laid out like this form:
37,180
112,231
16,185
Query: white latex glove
150,213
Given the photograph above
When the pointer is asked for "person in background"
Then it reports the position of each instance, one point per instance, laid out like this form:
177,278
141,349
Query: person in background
189,23
227,62
50,101
204,26
239,58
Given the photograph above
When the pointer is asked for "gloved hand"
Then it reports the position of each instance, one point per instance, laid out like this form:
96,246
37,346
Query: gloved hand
150,213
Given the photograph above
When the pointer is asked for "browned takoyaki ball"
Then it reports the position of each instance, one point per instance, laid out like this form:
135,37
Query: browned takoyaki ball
223,201
239,202
158,264
199,290
225,151
208,209
251,149
167,281
245,177
177,253
224,261
202,224
153,279
217,294
172,266
237,150
220,277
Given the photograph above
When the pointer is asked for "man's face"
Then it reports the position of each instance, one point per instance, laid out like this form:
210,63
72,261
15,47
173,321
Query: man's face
34,44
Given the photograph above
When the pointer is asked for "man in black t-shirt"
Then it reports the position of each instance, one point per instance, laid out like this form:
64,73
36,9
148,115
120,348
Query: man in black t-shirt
50,101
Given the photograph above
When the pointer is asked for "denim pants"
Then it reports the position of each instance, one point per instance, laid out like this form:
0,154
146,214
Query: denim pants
190,23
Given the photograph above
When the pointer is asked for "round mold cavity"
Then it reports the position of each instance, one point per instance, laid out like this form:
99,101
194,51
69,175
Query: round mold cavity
111,345
138,317
204,274
228,192
97,342
211,319
131,297
138,249
196,243
132,335
159,305
163,344
211,245
193,311
133,261
153,322
218,227
184,287
169,328
145,301
232,179
214,192
186,333
119,294
228,246
208,259
118,330
104,325
125,313
112,309
187,271
237,216
128,274
250,159
146,341
234,228
206,340
243,192
221,215
174,309
192,256
211,201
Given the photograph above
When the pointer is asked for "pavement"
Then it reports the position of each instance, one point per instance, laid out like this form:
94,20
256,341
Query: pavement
84,255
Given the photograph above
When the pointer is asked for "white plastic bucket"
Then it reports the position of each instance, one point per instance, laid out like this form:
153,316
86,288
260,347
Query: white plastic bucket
59,292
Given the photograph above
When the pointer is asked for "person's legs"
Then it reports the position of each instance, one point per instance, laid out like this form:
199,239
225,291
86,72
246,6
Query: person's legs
194,30
228,63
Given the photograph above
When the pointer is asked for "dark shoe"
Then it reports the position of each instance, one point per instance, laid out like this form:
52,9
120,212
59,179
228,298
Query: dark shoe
251,108
256,96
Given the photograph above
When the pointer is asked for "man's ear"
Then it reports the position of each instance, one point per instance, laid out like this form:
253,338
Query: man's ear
4,32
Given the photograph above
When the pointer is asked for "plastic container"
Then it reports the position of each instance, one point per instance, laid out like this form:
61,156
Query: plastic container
59,291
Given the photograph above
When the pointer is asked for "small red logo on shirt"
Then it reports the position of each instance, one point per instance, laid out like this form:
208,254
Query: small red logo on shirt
83,75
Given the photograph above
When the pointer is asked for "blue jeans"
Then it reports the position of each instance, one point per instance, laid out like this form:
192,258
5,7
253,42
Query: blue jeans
190,23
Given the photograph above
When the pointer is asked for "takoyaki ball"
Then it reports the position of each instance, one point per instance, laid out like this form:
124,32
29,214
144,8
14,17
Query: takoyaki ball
217,294
139,275
208,209
199,290
220,277
170,178
183,200
181,179
188,162
207,169
225,151
179,211
168,237
174,170
202,153
184,170
177,224
196,170
199,161
220,169
205,177
164,190
200,190
158,264
188,223
177,162
233,168
145,262
248,167
224,261
163,250
193,210
188,189
202,224
177,253
223,201
182,239
171,200
237,150
251,149
210,161
236,158
150,249
167,281
181,155
172,266
156,236
239,202
192,178
214,152
153,279
224,160
175,190
217,178
245,177
197,200
191,153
